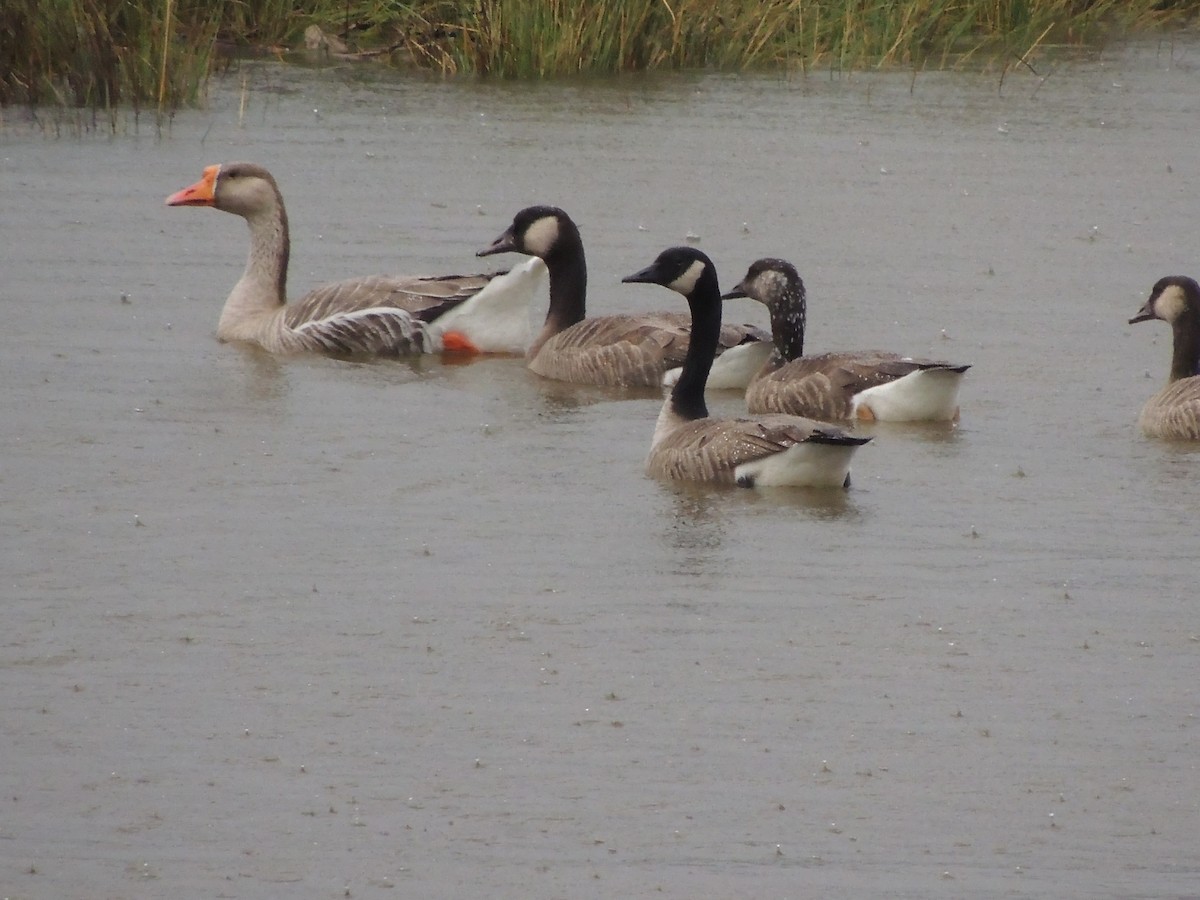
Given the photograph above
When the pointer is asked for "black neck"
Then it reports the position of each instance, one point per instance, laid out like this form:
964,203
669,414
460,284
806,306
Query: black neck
568,279
1185,362
687,397
788,319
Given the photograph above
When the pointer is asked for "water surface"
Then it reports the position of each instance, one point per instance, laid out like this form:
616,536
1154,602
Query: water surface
425,630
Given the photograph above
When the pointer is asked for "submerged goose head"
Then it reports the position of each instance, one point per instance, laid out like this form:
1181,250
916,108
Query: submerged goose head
777,285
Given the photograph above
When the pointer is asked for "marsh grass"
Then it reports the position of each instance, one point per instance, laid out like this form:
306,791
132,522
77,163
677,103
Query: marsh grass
545,37
104,53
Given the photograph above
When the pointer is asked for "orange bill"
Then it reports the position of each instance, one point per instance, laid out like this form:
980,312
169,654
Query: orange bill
202,193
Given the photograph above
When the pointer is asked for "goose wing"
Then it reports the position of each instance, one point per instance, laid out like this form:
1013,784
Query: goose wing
714,449
627,350
824,386
378,314
1174,412
425,298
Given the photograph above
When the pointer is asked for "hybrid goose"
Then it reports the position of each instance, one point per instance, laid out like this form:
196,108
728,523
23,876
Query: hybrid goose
764,451
611,350
375,315
1174,412
870,385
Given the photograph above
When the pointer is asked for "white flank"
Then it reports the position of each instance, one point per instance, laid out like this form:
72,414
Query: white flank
802,465
733,369
925,396
499,318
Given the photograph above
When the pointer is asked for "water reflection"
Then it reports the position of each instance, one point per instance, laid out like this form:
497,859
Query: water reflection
561,397
695,517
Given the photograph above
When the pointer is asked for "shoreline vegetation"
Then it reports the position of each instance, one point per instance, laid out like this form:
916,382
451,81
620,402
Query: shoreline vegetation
159,54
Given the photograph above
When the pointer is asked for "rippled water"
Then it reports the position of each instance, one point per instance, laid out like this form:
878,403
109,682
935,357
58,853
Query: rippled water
425,630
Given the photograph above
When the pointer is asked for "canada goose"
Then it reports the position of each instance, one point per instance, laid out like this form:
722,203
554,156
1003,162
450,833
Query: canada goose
869,385
1174,412
764,451
378,314
610,350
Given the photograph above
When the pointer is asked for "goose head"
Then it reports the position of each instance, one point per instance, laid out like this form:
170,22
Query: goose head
777,285
1176,300
244,189
685,270
543,231
1173,299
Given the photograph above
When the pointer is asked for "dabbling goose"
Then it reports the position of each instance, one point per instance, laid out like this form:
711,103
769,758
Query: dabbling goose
868,385
1174,412
763,451
377,315
610,350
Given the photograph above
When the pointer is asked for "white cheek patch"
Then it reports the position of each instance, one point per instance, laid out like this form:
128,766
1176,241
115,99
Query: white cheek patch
541,236
686,282
770,284
1170,304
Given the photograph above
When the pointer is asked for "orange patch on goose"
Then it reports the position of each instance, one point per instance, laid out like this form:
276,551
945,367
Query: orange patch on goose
457,342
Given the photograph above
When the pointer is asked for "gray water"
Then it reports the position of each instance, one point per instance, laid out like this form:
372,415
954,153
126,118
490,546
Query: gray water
319,628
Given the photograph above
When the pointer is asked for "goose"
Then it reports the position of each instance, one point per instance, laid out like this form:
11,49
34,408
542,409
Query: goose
1174,412
624,350
869,385
374,315
766,451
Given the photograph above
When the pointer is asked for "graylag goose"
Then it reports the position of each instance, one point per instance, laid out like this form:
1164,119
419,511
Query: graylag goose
769,450
621,350
870,385
375,315
1174,412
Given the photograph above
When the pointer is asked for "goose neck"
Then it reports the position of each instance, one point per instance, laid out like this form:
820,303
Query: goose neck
270,247
567,268
687,397
788,320
1185,361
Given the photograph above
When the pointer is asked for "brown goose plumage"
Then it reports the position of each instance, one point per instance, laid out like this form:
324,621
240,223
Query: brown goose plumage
621,350
872,384
1174,412
762,451
373,315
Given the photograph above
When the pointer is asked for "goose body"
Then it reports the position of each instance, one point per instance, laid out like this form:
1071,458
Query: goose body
870,385
1174,412
624,350
386,315
762,451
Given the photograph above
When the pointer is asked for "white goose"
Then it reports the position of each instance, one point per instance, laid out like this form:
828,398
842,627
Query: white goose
867,385
373,315
610,350
763,451
1174,412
